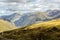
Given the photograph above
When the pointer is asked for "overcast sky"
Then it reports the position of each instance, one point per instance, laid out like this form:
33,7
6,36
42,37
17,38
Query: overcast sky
11,6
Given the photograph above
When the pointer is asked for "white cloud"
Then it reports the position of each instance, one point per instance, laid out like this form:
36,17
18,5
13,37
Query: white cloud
28,5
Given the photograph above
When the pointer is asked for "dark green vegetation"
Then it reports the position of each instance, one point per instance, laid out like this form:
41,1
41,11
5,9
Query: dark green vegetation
52,33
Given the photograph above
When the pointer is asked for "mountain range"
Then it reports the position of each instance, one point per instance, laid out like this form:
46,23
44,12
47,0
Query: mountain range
31,18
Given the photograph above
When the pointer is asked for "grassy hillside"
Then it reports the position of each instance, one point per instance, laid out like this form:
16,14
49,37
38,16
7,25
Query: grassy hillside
47,24
41,31
5,26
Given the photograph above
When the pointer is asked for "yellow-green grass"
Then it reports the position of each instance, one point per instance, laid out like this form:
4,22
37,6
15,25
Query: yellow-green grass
47,24
41,31
6,26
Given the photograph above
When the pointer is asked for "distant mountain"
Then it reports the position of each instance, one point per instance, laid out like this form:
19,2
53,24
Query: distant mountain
10,17
22,20
52,14
32,18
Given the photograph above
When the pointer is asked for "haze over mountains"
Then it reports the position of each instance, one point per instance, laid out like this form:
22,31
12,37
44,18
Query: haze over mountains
31,18
27,12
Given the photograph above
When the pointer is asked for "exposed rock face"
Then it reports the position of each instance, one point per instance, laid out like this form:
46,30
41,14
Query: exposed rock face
21,20
41,32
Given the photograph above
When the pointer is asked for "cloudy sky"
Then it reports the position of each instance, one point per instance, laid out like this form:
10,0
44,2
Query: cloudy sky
15,6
